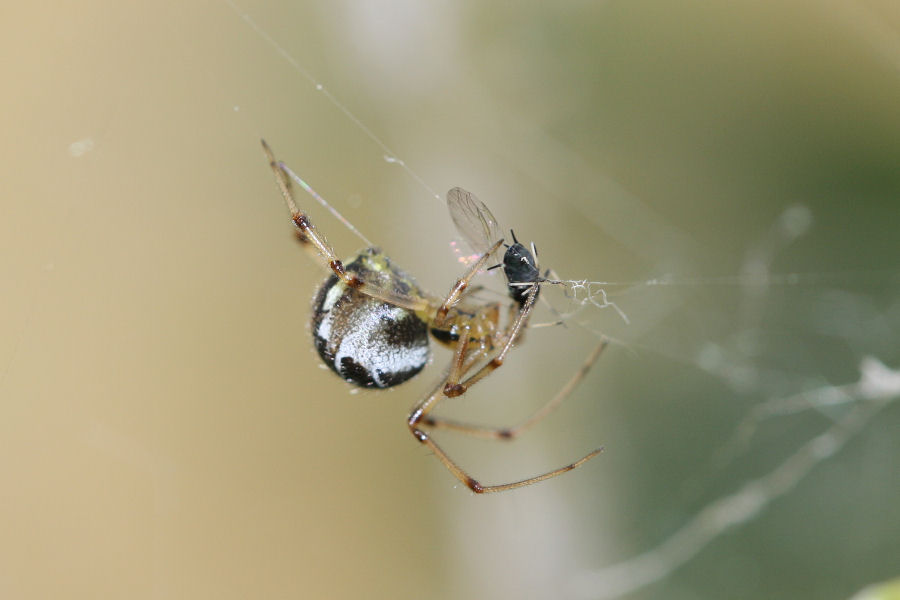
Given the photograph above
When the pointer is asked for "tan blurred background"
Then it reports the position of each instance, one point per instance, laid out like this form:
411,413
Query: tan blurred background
166,429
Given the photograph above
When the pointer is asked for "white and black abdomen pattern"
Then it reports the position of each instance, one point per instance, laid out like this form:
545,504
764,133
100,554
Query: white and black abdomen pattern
368,342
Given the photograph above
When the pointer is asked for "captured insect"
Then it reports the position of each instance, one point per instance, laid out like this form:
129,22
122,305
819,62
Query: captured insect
371,321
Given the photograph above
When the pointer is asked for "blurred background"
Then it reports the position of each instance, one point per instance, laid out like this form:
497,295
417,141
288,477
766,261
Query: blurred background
732,170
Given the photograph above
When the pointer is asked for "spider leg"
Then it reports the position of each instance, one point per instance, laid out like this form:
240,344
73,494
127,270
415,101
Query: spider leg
417,418
315,242
463,361
477,487
508,433
456,292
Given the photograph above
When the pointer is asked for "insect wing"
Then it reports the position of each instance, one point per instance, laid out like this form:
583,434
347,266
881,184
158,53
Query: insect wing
473,220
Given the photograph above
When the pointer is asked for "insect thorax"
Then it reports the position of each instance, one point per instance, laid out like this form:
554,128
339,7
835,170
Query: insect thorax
519,267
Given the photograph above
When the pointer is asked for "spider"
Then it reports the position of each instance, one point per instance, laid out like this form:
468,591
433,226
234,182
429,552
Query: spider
371,322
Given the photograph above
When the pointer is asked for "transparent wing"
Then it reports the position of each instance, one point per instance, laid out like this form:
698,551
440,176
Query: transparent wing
473,220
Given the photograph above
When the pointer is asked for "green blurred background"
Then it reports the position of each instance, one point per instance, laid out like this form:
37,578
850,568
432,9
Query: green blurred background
167,431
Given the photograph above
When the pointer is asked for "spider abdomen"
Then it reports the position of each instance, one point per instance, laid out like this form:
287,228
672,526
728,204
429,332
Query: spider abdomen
368,342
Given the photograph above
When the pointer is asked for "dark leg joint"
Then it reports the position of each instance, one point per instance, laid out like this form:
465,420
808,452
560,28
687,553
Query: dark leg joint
453,390
301,221
496,362
474,486
351,280
419,435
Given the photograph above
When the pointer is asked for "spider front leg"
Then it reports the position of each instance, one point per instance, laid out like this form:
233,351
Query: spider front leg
315,242
461,284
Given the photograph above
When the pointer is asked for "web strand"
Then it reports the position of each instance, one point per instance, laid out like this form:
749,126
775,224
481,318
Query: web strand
389,155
